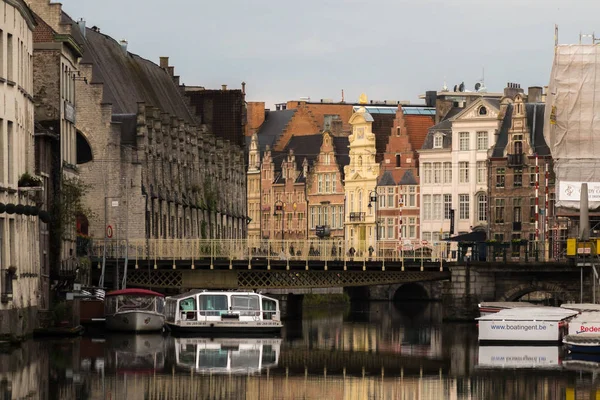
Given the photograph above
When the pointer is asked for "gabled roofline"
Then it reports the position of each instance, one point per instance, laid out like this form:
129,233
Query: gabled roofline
473,105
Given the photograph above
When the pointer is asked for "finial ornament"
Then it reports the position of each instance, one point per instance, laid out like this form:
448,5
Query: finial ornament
362,99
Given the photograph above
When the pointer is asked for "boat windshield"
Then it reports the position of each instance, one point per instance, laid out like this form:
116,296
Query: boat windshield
127,303
269,308
213,304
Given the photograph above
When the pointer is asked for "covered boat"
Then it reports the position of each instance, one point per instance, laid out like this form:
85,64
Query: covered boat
584,333
134,310
491,307
223,312
525,324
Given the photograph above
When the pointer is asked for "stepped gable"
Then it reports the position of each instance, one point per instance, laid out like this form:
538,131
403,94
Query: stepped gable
535,124
128,78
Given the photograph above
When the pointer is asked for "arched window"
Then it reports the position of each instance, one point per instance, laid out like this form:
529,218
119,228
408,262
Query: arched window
482,110
360,161
84,150
518,147
482,207
398,160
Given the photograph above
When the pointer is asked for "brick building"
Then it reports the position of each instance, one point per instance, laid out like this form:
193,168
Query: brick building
55,69
512,173
19,221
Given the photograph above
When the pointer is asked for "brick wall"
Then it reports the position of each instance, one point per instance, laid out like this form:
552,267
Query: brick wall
256,116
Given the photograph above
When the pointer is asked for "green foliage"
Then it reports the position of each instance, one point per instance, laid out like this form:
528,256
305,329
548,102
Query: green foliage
61,312
28,180
203,229
320,300
68,204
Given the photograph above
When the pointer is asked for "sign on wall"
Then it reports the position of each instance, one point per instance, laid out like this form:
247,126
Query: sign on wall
571,191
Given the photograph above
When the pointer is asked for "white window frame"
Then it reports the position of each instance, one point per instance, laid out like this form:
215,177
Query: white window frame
463,206
463,172
463,141
438,141
482,140
481,172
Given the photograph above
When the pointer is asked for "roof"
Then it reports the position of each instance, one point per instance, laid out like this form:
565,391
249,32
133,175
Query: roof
128,78
273,126
530,314
386,179
382,129
408,179
134,292
445,127
342,152
417,127
393,109
198,291
535,123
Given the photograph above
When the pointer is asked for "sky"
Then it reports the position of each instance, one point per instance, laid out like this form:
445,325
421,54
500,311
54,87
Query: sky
388,49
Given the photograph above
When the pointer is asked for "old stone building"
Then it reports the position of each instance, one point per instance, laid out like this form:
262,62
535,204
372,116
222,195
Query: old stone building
154,169
360,183
55,70
19,217
513,177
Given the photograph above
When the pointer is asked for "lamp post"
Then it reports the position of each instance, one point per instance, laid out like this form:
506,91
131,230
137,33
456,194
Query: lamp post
373,199
279,207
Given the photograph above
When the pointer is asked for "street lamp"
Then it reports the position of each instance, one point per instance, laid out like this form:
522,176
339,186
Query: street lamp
279,207
373,199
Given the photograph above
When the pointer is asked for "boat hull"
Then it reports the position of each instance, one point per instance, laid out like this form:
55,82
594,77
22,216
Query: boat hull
520,331
239,328
135,321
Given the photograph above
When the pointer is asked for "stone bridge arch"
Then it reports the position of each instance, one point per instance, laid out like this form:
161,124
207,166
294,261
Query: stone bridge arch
518,291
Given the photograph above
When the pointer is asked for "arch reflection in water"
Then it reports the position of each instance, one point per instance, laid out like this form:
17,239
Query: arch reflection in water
130,353
226,355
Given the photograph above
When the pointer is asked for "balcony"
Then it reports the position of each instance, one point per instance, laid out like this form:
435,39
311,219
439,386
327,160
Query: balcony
357,217
515,160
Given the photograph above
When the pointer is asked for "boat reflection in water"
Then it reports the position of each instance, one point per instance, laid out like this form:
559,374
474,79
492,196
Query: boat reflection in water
135,354
226,355
538,357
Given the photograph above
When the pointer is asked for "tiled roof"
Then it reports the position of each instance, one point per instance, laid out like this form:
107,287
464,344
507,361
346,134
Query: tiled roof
408,179
273,126
535,123
446,128
342,152
417,127
386,179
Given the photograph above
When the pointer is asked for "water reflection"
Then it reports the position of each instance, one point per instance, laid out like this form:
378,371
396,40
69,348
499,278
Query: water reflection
372,350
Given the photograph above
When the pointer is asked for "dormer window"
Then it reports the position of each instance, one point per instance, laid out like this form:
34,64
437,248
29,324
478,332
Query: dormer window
482,110
438,141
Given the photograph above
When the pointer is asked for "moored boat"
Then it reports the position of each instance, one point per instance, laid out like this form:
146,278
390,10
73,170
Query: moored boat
491,307
526,324
584,333
223,312
134,310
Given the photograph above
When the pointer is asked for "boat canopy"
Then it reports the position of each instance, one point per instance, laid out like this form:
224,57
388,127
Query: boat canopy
530,314
581,307
134,292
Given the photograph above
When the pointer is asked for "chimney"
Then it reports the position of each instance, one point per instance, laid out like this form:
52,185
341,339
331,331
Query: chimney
430,97
244,88
81,24
176,80
123,44
171,71
512,89
534,94
164,62
223,87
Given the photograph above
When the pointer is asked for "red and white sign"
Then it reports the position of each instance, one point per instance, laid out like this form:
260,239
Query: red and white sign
109,231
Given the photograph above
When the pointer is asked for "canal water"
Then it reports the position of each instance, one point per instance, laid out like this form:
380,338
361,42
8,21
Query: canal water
375,350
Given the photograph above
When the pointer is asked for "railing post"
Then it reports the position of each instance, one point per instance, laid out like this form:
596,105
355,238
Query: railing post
212,252
231,254
156,252
249,257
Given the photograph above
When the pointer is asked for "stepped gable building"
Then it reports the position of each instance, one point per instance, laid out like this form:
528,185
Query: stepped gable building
55,70
399,182
512,173
155,171
20,271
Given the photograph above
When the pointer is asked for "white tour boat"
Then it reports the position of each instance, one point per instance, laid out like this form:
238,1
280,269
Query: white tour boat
526,324
226,355
134,310
491,307
223,312
584,333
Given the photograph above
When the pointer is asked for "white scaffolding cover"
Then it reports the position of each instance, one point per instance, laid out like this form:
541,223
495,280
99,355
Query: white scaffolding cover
571,127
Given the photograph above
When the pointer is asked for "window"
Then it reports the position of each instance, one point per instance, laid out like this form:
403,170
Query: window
10,68
313,217
500,177
463,204
412,227
437,207
481,172
463,141
482,140
437,172
381,195
351,202
532,176
517,210
333,217
518,177
463,172
390,228
438,141
427,172
482,110
390,201
482,207
327,183
532,209
10,148
320,188
447,172
328,119
398,160
333,186
340,216
212,303
499,213
427,207
412,195
427,236
244,303
447,205
1,53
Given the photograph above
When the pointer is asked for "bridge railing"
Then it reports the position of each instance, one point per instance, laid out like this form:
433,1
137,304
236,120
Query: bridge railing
289,250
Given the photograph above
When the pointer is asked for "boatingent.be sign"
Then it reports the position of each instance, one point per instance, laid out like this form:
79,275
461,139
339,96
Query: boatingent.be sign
571,191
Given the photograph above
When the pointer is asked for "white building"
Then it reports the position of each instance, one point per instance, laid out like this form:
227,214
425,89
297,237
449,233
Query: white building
19,231
360,184
453,170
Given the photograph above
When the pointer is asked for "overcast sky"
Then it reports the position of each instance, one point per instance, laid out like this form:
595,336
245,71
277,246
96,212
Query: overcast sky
388,49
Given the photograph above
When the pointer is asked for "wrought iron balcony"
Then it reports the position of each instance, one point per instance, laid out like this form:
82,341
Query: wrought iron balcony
515,160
